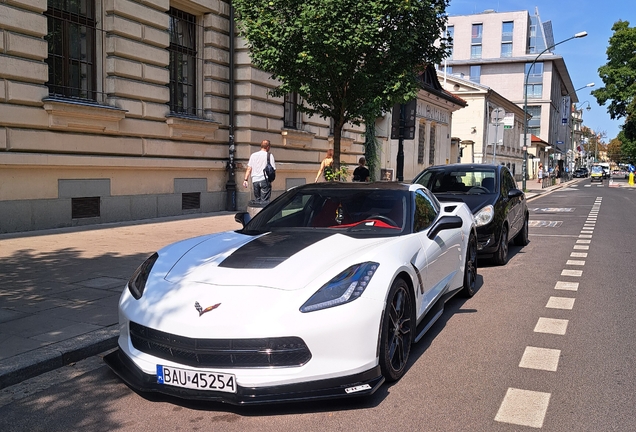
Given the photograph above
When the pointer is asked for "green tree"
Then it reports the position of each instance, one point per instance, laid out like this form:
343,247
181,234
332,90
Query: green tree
349,60
628,148
619,77
614,150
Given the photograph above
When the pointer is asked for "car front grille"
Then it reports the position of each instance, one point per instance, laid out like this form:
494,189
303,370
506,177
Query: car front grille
221,353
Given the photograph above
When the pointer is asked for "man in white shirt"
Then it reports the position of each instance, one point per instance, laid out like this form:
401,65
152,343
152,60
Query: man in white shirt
255,167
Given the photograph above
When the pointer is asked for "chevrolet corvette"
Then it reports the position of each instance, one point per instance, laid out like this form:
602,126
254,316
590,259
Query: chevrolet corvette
320,295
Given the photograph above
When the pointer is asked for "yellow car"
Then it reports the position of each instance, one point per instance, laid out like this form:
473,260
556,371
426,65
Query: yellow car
596,174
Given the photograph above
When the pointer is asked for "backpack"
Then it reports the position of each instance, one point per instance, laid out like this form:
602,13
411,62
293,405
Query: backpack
269,171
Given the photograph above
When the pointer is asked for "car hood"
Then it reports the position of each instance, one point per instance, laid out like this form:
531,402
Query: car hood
281,260
475,202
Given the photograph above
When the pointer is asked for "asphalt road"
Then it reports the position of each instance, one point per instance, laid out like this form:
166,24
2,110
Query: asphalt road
539,347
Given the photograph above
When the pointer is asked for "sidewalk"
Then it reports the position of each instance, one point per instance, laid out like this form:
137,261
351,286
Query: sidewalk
59,288
534,189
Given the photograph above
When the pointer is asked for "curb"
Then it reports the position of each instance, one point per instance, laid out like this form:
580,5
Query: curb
30,364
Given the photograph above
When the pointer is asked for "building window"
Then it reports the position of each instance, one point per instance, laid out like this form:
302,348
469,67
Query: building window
534,124
292,115
183,66
450,34
475,51
71,48
475,41
506,38
431,149
475,73
421,143
534,89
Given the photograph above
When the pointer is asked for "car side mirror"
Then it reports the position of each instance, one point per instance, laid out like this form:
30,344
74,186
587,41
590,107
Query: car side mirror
243,218
513,193
444,223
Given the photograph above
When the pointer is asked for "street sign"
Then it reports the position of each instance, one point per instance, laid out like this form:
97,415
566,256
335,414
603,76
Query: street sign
497,116
495,134
409,120
509,120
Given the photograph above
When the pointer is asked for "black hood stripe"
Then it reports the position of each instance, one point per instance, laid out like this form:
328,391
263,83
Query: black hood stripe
269,250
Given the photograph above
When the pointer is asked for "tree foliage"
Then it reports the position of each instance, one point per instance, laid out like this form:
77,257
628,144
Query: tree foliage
349,60
619,77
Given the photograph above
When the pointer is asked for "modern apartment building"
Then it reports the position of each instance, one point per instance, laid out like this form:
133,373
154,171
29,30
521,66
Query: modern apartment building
501,50
117,110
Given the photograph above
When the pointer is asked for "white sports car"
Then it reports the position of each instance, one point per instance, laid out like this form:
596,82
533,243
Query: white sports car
320,295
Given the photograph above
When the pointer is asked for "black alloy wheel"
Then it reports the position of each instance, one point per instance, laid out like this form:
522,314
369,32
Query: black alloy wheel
470,268
522,238
398,326
501,256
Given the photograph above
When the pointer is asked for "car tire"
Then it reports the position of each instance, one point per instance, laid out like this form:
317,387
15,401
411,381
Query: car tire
521,239
470,268
398,327
501,256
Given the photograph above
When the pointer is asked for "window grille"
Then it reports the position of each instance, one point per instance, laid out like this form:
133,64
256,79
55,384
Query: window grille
190,200
71,49
292,115
183,62
85,207
431,142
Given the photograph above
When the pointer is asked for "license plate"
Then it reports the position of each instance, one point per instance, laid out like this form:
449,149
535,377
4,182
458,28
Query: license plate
197,380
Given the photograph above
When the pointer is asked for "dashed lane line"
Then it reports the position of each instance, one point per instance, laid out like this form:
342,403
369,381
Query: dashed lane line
527,407
523,407
540,358
565,303
567,286
551,326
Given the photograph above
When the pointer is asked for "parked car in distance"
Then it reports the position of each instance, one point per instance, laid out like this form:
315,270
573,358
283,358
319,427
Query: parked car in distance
320,295
580,173
491,192
597,174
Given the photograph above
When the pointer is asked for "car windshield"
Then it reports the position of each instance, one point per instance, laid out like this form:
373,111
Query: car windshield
465,181
364,211
597,170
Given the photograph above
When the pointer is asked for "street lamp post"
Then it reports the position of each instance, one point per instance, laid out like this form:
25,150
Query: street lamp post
570,150
524,167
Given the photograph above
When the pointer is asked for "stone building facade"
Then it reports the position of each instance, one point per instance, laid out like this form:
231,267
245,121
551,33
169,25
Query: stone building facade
117,110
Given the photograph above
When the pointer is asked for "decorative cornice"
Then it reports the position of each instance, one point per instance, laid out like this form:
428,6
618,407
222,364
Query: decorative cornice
296,138
191,129
83,116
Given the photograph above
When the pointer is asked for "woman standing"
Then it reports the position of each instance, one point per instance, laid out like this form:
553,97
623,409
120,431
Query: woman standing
326,167
540,173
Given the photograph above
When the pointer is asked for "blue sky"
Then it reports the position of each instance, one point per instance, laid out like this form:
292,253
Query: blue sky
582,56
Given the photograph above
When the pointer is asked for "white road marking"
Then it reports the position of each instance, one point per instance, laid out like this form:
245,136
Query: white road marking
581,247
560,303
551,326
567,286
584,241
523,407
587,232
575,262
575,273
585,236
578,254
540,358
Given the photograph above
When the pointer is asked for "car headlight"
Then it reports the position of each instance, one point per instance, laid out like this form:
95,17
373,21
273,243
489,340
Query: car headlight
484,216
137,282
344,288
